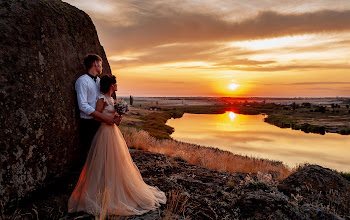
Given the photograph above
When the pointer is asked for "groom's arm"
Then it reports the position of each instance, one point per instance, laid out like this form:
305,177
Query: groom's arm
81,88
97,114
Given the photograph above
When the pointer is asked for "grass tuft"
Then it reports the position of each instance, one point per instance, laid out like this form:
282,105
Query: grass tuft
176,205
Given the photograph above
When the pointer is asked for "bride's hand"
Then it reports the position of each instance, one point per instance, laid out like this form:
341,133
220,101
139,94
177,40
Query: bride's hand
117,119
109,120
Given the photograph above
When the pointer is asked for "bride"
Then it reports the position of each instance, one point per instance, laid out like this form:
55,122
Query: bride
110,181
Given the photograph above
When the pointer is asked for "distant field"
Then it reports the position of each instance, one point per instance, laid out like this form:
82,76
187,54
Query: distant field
193,101
164,102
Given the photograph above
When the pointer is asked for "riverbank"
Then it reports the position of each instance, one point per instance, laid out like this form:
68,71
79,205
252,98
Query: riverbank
154,121
312,122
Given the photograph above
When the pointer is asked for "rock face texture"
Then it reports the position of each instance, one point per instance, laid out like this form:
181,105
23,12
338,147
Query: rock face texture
43,43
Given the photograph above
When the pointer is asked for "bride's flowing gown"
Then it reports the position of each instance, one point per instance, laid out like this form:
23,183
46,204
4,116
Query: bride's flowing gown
110,181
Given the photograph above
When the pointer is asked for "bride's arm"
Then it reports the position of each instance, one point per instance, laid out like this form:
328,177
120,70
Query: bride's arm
97,114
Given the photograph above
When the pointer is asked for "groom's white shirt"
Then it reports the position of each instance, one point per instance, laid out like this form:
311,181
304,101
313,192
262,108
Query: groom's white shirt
87,92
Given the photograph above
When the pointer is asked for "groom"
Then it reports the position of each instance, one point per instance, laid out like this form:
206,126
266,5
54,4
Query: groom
87,87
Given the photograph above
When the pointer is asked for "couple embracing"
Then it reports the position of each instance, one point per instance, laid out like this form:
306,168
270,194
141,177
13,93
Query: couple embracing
110,180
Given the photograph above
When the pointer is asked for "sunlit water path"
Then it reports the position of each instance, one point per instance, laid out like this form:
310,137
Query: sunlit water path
250,135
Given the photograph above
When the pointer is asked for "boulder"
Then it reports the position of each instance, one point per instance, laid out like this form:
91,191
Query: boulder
319,186
43,43
275,205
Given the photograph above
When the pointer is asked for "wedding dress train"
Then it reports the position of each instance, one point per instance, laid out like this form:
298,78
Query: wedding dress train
110,181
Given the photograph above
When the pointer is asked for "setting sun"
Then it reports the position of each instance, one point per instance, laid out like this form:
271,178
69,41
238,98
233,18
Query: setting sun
233,86
232,115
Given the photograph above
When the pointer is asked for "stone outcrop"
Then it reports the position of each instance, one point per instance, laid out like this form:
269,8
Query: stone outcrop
43,43
201,194
320,186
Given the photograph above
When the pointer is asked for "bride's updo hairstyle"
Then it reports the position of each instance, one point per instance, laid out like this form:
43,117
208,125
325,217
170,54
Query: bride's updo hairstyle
106,82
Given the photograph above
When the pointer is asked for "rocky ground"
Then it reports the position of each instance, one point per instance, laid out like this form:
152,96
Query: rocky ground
312,192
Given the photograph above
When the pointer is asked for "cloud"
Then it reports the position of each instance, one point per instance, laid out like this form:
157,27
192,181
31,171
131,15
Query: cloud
184,27
318,66
167,54
202,37
306,84
212,54
200,33
257,66
319,83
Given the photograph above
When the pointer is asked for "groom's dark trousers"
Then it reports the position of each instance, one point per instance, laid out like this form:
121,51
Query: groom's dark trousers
88,129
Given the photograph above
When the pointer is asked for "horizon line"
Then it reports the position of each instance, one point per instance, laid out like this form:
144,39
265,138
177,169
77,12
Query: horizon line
260,97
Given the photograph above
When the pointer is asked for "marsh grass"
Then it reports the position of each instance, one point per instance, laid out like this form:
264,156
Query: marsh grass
208,157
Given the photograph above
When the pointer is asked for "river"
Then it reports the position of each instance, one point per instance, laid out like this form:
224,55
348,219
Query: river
250,135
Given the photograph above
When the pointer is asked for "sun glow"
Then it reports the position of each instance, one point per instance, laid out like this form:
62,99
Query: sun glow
233,86
232,115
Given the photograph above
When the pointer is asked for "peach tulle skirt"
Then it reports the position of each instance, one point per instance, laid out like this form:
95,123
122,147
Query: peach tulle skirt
110,181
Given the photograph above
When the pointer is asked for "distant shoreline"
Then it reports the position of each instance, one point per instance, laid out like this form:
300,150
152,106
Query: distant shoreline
329,116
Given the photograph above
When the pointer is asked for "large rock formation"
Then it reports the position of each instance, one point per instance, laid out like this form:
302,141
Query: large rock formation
43,43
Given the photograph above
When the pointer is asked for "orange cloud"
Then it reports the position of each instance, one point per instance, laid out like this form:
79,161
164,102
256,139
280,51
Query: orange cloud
159,29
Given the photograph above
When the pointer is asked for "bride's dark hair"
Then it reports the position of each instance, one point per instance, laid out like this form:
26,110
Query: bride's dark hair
106,82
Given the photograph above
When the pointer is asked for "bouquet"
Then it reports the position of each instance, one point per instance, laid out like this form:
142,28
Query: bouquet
121,107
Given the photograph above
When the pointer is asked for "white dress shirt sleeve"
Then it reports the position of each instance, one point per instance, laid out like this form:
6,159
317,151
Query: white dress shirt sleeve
81,86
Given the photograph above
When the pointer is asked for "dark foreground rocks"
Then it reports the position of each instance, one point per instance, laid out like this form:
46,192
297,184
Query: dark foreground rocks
320,186
43,43
198,193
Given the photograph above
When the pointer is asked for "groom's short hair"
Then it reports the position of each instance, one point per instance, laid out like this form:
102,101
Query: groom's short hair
89,59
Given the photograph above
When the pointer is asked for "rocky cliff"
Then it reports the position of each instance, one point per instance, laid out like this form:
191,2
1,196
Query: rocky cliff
43,43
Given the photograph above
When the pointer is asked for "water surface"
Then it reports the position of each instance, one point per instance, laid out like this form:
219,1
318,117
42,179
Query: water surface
250,135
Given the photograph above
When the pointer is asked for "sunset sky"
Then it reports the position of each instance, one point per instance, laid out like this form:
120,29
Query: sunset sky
287,48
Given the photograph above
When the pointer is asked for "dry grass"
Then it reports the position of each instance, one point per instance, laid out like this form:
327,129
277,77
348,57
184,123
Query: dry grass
18,213
103,201
207,157
175,205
